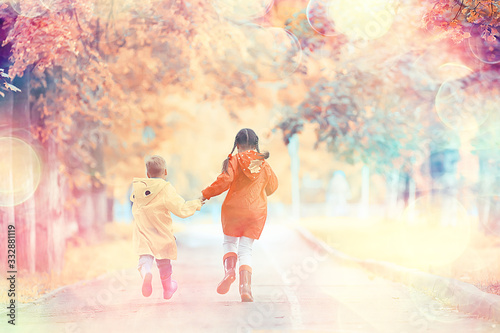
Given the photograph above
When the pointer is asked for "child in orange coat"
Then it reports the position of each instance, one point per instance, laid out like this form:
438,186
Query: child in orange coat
250,180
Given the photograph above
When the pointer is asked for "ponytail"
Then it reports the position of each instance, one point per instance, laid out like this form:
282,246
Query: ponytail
264,155
225,164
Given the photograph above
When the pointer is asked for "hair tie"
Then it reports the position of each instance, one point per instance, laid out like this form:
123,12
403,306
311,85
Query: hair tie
229,156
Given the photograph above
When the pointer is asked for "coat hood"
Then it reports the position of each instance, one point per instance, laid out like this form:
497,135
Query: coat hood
146,189
251,163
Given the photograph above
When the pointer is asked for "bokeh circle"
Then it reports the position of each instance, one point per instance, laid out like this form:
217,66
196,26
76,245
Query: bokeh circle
270,54
29,9
436,230
465,104
51,5
484,48
242,10
362,19
20,171
317,16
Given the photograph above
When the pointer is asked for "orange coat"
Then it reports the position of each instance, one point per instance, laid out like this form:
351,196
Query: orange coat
250,180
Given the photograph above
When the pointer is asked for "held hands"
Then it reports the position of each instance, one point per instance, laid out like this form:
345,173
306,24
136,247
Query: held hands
203,200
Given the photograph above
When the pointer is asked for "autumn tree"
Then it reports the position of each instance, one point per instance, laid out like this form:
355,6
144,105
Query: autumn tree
364,108
97,73
383,101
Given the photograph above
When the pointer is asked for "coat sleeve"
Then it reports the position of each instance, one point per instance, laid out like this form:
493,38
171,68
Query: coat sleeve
272,182
177,205
222,183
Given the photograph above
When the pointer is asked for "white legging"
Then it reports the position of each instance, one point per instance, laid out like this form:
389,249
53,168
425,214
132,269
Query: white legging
243,249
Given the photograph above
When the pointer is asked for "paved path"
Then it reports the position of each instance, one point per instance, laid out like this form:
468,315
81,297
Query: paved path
297,289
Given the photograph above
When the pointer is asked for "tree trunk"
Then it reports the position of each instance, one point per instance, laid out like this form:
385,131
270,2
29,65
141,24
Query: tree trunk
51,235
392,194
365,192
445,183
25,217
293,150
7,216
100,204
110,208
84,213
489,189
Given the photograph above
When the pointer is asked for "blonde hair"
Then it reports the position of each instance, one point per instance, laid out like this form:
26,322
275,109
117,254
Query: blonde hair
155,165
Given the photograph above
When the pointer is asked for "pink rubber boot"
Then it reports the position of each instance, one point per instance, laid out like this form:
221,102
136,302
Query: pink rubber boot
169,287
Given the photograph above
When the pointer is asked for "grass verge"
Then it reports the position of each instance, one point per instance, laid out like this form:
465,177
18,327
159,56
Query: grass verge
460,252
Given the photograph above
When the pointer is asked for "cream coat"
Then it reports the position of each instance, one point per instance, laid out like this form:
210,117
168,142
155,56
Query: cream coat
153,201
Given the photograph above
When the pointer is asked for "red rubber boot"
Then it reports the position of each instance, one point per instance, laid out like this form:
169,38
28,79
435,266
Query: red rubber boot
229,261
246,283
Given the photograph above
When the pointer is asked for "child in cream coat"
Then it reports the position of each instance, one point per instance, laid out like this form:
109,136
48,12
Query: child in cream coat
153,200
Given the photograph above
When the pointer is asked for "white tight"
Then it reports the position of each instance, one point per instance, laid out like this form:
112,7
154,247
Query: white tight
243,249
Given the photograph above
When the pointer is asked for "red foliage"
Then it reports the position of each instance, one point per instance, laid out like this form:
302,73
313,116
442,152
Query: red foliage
454,19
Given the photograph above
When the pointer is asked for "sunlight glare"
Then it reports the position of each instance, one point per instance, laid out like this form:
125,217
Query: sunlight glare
362,19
